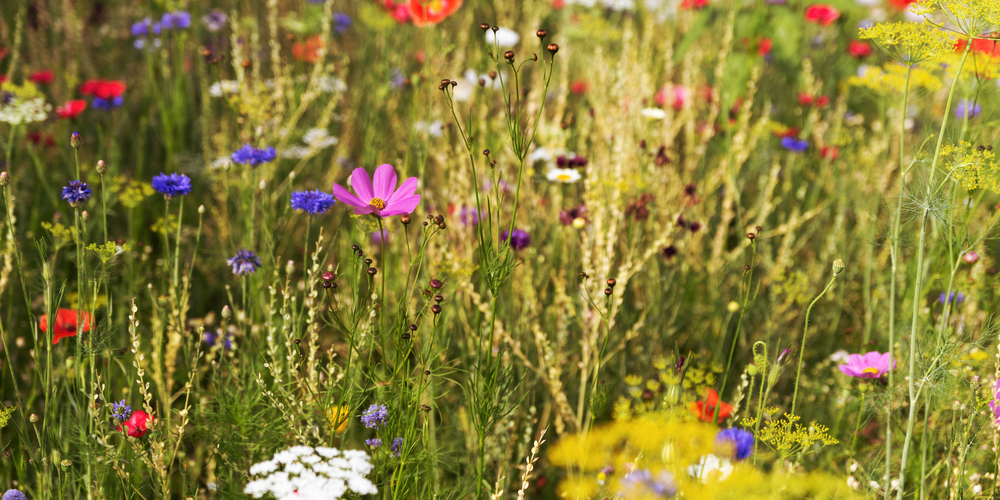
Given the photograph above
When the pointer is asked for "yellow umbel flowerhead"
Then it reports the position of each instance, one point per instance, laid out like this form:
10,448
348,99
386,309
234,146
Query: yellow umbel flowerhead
909,43
975,167
968,18
891,77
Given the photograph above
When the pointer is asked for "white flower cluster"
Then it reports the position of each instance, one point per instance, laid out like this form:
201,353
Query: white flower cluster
304,473
315,140
218,89
18,111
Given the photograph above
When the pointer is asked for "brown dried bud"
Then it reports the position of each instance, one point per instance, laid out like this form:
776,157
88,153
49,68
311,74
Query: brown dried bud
612,282
372,271
495,29
541,33
607,291
751,236
509,56
758,228
436,309
552,48
484,26
405,219
438,298
486,152
534,57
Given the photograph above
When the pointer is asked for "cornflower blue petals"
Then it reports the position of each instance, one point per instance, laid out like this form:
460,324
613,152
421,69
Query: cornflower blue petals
396,446
250,155
142,28
312,202
14,495
121,411
373,443
952,297
519,239
341,22
741,441
244,262
172,185
210,337
793,144
108,104
642,483
967,109
76,193
176,20
375,416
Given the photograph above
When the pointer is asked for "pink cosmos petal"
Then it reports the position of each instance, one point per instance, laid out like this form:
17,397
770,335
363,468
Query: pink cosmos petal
407,188
849,370
385,182
402,206
362,185
345,196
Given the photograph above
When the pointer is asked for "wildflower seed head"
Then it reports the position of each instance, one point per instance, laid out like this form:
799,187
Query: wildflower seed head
368,261
509,56
495,28
838,267
4,179
607,291
751,236
413,327
102,168
541,33
355,248
75,141
486,152
552,48
493,76
438,298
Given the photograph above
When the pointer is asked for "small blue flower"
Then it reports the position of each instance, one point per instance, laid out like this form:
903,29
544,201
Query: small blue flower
76,193
375,416
341,22
13,495
952,297
793,144
142,28
967,109
121,411
210,337
108,105
266,155
396,78
396,446
742,441
244,262
519,239
313,202
250,155
176,20
172,185
373,443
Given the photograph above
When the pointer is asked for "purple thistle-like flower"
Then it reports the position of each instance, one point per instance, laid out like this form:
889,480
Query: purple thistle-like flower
373,443
244,262
793,144
172,185
519,239
871,365
13,495
76,193
741,441
121,411
375,416
176,20
967,109
312,202
396,447
214,20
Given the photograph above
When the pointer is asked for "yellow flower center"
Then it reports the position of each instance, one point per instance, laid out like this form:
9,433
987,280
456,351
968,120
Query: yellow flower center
378,203
564,177
870,370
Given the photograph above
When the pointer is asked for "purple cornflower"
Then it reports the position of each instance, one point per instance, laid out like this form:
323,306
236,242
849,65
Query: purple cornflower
210,337
312,202
13,495
519,239
107,104
642,483
741,441
995,402
176,20
396,446
142,28
469,216
76,193
967,109
951,297
214,20
244,262
793,144
373,443
341,22
375,416
396,78
172,185
121,411
253,156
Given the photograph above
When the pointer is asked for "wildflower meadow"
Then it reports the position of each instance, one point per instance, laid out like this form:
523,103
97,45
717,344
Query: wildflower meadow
485,249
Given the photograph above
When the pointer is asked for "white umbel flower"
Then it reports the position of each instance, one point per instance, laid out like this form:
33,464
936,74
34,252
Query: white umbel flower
218,89
653,114
18,111
304,473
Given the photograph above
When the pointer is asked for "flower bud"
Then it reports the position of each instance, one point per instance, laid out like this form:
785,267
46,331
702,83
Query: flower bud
262,185
838,267
484,26
372,271
405,219
4,179
486,152
552,48
751,236
733,306
329,276
226,313
436,284
495,29
607,291
509,56
74,140
971,257
34,418
102,168
290,267
611,282
85,216
752,370
541,33
201,209
438,298
435,309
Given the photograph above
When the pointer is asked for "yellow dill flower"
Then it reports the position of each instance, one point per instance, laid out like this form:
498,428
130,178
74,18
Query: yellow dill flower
973,167
970,18
891,77
909,43
787,437
577,487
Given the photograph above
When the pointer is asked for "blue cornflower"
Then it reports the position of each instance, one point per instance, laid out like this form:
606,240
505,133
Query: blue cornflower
176,20
742,441
76,193
341,22
396,446
266,155
373,443
210,337
121,411
375,416
108,104
250,155
519,239
967,109
13,495
142,28
172,185
643,483
244,262
952,297
397,78
793,144
313,202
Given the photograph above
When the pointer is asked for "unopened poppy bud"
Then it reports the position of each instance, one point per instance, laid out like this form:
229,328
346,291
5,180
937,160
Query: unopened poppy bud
435,309
752,370
838,267
612,282
372,271
484,26
541,33
971,257
509,56
102,168
552,48
4,179
436,284
226,312
74,140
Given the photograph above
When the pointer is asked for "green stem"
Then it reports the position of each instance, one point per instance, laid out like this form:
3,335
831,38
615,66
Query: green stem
177,244
805,334
857,424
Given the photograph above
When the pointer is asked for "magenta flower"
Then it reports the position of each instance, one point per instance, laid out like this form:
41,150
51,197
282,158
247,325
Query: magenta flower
871,365
995,402
383,199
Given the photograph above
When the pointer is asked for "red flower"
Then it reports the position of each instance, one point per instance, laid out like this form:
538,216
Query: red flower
808,100
428,12
764,47
558,4
788,132
985,46
694,4
3,78
66,324
105,89
858,49
822,14
138,424
829,152
822,101
578,87
308,51
43,77
901,4
805,99
71,109
704,408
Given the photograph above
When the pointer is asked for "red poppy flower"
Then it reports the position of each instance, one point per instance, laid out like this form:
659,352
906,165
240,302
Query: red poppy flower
66,324
805,99
822,14
901,4
3,78
829,152
558,4
43,77
985,46
704,408
138,424
858,49
764,47
578,87
308,51
71,109
694,4
428,12
822,101
105,89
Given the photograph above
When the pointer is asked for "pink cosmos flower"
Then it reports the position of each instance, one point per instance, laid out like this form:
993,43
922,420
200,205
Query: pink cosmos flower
994,404
871,365
383,199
